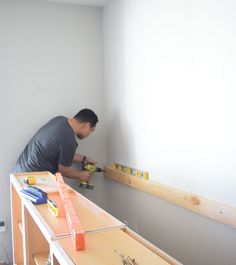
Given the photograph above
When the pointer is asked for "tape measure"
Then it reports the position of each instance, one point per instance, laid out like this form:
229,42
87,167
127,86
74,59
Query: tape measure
32,180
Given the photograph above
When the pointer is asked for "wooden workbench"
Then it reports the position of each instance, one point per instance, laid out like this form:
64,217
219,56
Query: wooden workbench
36,232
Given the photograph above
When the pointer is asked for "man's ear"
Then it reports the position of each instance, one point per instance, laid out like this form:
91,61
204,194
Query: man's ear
87,125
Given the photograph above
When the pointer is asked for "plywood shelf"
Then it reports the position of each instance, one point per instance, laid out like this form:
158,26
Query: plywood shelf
92,217
101,250
37,233
151,247
40,258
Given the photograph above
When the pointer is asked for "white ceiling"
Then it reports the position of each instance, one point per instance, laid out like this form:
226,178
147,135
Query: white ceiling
82,2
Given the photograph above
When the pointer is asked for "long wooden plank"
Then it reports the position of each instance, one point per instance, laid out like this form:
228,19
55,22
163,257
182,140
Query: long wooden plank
73,221
217,211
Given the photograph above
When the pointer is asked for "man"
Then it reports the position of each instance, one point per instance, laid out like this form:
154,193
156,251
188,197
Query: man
53,147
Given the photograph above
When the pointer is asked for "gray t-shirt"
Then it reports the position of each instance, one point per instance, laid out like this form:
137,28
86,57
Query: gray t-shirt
54,144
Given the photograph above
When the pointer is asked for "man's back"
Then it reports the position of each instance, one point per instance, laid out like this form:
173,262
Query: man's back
52,145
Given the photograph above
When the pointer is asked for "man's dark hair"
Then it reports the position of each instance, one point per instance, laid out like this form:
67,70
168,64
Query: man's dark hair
87,115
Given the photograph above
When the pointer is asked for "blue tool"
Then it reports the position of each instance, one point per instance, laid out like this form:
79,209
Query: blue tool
35,191
36,195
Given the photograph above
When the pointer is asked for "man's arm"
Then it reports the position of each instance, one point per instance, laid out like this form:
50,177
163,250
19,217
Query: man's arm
79,158
72,173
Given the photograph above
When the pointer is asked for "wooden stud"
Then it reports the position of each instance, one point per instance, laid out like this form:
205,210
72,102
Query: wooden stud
217,211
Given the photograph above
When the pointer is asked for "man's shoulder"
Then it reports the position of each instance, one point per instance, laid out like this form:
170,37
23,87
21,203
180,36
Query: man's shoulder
57,130
56,124
59,118
57,121
61,127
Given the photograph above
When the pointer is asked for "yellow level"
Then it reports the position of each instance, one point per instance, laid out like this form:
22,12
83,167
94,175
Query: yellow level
52,207
131,171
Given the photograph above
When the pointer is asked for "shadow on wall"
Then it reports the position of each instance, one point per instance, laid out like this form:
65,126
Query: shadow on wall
120,141
120,149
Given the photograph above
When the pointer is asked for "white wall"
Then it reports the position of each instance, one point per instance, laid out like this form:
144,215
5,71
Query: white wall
170,107
51,63
170,90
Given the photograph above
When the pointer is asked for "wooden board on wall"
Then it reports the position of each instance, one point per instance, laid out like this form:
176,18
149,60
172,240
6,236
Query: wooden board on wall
217,211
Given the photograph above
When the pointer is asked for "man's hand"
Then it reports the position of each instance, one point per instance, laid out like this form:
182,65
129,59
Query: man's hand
78,158
90,161
86,160
85,175
72,173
